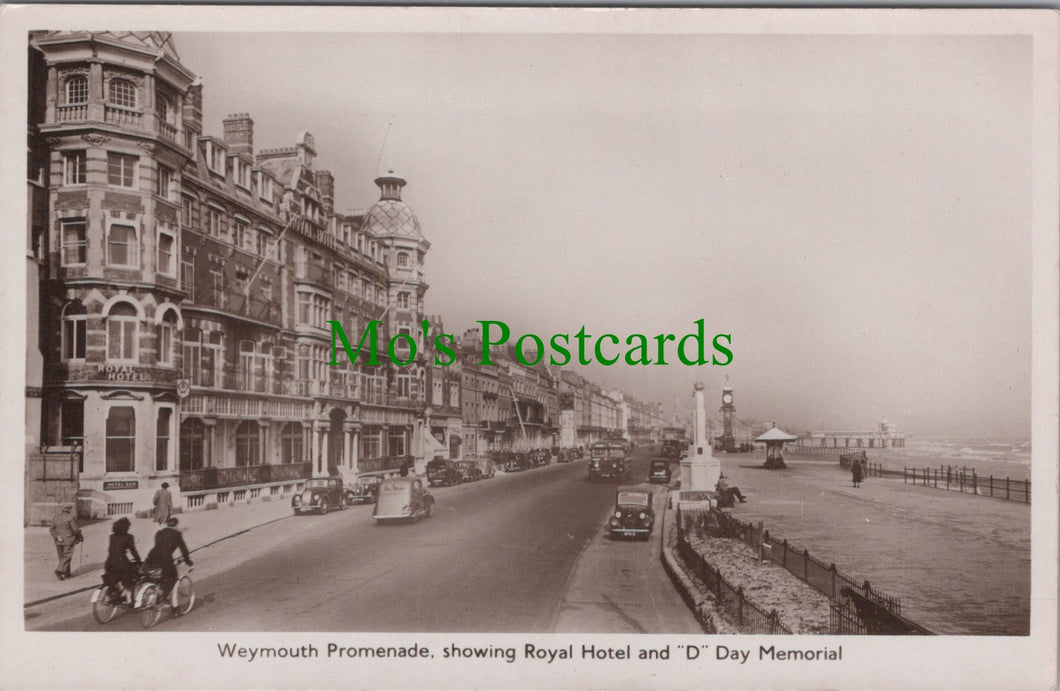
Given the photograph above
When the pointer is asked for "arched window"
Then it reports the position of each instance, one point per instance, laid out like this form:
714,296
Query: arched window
122,324
291,445
192,444
164,109
77,90
248,443
121,439
74,327
166,330
122,246
403,259
121,92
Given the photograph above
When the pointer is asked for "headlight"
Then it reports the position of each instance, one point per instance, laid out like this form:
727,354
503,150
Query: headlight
296,500
618,514
643,515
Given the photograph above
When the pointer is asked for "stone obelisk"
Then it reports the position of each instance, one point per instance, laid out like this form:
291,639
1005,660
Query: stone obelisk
699,469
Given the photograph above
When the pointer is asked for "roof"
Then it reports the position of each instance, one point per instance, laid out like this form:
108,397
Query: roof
157,42
776,434
392,217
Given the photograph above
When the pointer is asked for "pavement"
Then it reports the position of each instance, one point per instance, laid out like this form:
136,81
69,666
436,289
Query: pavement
201,529
960,563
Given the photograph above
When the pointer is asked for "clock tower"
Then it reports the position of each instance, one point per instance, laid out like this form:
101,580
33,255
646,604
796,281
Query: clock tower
728,441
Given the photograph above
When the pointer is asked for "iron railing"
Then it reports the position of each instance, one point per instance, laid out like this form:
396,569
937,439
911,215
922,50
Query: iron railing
967,480
221,478
730,599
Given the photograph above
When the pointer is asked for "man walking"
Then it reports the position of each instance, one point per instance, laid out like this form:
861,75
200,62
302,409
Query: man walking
163,504
65,533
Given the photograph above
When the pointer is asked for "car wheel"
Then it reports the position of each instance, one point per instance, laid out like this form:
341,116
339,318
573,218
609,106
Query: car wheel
324,506
430,509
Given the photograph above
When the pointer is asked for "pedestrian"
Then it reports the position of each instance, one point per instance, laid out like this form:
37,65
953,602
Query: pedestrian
163,504
856,472
65,533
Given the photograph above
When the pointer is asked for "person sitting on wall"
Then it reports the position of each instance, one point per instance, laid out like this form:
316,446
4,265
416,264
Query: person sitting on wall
727,494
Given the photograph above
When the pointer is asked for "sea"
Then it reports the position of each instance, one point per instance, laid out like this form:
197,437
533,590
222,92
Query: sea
999,457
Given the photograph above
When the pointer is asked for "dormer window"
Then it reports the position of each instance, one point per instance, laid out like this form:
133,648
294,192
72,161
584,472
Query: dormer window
242,169
215,157
264,186
121,92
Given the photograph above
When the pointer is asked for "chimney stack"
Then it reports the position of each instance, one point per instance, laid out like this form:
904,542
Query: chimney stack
239,134
326,183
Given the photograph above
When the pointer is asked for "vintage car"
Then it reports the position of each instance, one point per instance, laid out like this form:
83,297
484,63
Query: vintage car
659,471
633,515
320,494
469,471
674,448
609,468
403,498
516,462
363,491
442,471
486,467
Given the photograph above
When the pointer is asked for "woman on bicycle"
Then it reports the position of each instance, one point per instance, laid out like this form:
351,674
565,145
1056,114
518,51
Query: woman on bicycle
167,541
118,568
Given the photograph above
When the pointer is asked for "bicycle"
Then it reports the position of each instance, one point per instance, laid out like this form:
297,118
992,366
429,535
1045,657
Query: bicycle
151,605
108,600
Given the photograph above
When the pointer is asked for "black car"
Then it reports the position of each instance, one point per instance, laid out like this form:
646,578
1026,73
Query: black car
633,515
320,494
659,471
442,471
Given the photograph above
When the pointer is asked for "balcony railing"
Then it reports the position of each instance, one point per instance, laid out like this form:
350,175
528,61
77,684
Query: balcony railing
71,113
220,478
168,131
123,116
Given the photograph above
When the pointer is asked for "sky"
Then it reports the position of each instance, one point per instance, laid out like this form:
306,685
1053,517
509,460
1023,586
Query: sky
855,210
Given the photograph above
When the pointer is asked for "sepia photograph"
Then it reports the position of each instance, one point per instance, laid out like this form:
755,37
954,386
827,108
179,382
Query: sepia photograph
524,348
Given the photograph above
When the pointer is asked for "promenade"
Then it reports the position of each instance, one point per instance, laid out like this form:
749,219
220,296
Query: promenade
959,563
200,528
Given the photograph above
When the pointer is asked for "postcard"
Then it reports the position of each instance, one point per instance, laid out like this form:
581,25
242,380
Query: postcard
390,347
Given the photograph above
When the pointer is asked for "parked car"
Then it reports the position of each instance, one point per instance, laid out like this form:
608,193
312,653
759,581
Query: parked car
364,490
469,471
633,515
320,494
659,471
442,471
403,498
486,467
516,462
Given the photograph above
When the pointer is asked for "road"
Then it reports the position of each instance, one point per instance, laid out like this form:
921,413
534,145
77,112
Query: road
522,552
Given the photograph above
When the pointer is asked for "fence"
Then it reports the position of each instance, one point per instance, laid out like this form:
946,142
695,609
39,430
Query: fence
966,480
826,579
749,617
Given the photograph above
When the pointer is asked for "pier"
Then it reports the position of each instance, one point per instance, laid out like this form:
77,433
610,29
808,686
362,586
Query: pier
884,436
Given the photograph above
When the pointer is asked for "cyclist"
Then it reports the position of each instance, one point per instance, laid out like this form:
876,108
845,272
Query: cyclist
118,569
167,541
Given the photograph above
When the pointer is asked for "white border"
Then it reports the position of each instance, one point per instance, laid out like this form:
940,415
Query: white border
101,660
